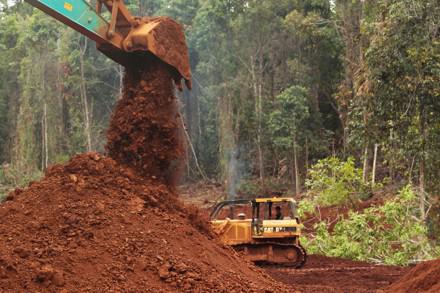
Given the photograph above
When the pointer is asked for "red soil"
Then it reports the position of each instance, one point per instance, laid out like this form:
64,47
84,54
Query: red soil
424,277
93,225
98,224
325,274
145,129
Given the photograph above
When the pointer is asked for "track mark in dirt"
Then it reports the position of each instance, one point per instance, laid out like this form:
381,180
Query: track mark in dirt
325,274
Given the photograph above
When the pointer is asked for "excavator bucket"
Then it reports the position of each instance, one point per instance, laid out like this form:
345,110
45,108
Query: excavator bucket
160,36
124,38
163,37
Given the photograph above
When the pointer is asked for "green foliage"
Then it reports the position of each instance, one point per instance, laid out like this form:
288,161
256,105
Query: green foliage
392,234
332,181
13,176
286,120
399,86
249,189
306,207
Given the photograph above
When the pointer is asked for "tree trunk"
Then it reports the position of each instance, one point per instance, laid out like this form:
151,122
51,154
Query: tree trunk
365,171
44,149
422,161
44,143
295,162
121,80
257,88
391,161
193,152
83,89
307,158
373,174
227,137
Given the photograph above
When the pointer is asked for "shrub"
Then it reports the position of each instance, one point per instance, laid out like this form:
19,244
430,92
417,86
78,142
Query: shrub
392,234
305,206
332,181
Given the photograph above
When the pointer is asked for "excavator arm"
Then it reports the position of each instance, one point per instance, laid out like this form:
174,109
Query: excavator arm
124,38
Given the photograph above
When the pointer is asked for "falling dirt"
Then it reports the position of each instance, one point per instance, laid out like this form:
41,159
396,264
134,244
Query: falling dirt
145,130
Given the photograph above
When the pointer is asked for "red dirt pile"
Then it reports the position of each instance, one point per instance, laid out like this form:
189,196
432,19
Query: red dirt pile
98,224
93,225
424,277
144,131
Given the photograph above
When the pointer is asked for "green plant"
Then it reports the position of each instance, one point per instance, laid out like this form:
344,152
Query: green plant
305,206
253,188
332,181
16,176
392,233
249,188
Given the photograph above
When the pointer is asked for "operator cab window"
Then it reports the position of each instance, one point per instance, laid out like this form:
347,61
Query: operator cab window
279,211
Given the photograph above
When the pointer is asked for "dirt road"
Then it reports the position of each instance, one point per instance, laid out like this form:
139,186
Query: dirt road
325,274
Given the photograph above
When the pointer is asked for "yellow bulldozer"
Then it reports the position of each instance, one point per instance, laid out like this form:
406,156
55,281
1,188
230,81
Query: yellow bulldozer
265,230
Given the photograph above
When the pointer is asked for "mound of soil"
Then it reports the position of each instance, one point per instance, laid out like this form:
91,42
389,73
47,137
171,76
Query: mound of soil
93,225
145,129
424,277
101,224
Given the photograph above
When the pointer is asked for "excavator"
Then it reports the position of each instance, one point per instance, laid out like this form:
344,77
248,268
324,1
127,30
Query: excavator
122,37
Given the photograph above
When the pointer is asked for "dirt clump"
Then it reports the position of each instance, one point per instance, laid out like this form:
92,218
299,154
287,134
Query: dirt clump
145,128
93,225
424,277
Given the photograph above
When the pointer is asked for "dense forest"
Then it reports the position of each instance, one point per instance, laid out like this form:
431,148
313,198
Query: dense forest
277,86
330,97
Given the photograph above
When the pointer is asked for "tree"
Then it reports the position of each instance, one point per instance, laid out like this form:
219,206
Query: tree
403,65
287,123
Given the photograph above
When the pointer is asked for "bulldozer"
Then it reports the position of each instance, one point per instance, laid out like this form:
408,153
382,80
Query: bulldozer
264,230
124,38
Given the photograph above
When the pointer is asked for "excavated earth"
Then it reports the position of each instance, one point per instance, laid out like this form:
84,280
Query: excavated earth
93,225
425,277
114,224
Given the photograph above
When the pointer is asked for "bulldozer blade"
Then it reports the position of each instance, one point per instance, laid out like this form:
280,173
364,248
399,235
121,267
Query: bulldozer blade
160,36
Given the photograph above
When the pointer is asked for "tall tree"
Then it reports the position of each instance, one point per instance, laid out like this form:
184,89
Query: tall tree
403,62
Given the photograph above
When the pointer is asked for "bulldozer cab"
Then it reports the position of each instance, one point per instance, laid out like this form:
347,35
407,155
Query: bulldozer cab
274,217
239,221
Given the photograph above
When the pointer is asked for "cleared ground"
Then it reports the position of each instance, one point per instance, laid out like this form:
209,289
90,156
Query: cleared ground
325,274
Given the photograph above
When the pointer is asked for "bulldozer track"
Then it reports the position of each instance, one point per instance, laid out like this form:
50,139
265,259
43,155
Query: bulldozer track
295,265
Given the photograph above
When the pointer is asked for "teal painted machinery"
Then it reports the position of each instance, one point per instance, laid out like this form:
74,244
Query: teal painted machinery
124,38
